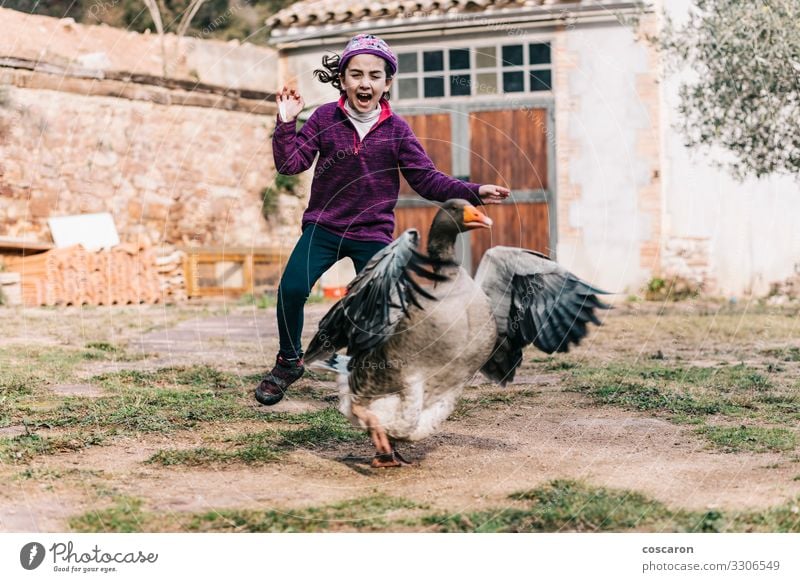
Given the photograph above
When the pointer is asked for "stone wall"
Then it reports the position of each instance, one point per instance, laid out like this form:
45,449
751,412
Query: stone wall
63,42
689,258
176,164
189,175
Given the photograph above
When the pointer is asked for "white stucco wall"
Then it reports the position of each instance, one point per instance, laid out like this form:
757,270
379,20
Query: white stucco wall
299,69
751,226
601,127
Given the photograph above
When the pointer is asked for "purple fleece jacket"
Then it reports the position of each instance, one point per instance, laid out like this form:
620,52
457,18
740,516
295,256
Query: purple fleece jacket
356,182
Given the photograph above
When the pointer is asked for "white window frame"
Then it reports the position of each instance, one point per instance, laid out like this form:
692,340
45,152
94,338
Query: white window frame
526,68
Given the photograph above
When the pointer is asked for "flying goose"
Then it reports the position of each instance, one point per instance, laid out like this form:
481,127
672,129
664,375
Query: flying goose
411,349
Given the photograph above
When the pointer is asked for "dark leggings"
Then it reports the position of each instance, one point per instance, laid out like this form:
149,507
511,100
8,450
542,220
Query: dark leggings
315,252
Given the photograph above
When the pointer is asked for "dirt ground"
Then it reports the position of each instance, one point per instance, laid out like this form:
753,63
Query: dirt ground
491,449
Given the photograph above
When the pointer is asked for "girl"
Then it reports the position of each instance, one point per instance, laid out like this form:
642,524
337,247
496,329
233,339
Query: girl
361,146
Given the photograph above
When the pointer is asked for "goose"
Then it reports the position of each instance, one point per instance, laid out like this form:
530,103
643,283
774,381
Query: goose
412,348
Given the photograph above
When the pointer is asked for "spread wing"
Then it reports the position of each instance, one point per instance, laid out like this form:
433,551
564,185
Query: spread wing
535,301
376,300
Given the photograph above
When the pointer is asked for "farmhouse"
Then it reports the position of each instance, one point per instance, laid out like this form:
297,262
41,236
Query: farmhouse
561,100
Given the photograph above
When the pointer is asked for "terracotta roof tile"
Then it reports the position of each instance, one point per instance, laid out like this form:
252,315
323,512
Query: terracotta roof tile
314,13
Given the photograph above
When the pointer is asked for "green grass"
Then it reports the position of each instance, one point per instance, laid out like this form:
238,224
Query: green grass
570,506
125,516
373,513
558,506
694,394
757,439
561,506
24,447
161,401
270,300
28,371
362,514
28,368
787,354
102,350
322,430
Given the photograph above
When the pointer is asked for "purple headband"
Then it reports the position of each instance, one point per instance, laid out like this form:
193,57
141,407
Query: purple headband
367,44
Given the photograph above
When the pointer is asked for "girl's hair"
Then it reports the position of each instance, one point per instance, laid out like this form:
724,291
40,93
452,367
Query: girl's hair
330,72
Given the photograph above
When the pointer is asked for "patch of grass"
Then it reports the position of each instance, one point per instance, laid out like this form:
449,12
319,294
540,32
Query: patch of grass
24,447
102,350
688,394
561,505
782,519
558,506
186,377
125,516
372,513
758,439
648,397
558,365
674,289
102,346
26,368
324,429
198,457
48,474
262,301
566,505
364,514
161,401
787,354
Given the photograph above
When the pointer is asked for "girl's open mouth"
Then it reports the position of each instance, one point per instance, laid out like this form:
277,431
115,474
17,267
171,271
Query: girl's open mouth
364,98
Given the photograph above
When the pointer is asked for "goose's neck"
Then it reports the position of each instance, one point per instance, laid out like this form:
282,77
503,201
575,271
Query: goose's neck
442,245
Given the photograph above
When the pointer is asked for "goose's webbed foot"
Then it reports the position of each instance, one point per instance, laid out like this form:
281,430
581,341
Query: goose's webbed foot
391,459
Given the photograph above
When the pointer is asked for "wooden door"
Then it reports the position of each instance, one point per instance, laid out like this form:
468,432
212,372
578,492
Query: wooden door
434,132
508,147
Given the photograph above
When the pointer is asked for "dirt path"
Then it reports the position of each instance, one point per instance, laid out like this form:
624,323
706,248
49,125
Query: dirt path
473,463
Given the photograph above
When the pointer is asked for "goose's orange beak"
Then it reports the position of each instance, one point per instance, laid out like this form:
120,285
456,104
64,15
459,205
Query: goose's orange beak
474,218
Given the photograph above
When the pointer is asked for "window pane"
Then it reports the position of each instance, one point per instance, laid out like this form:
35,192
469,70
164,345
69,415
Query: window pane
409,88
407,62
512,55
485,57
460,84
541,81
459,59
433,60
486,83
513,82
539,53
434,86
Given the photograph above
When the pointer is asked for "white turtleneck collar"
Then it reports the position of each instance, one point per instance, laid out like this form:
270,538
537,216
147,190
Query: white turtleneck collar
363,122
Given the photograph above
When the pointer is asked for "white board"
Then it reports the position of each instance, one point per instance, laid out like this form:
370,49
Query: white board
93,231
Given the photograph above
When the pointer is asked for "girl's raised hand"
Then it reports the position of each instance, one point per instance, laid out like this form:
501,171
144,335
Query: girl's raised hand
492,194
290,103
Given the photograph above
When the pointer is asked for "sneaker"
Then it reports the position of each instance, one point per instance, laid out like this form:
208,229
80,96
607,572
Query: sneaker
274,384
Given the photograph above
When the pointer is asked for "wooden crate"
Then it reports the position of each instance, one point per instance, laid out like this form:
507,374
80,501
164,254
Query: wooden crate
235,271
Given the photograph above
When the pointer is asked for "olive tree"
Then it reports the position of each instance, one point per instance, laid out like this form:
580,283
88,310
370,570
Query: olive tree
745,97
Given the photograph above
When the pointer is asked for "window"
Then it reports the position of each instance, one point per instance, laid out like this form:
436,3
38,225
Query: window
407,62
433,60
475,71
434,86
